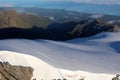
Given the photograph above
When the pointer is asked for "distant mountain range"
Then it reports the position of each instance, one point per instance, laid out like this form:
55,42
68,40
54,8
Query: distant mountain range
15,23
62,15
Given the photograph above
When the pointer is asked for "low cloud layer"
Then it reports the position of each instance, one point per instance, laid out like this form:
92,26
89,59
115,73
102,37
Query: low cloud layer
99,1
6,5
89,1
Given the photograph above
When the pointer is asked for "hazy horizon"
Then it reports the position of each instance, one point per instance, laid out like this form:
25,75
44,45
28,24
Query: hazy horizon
111,7
13,3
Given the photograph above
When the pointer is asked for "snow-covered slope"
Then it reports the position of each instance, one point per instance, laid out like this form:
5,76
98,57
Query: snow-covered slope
46,72
94,57
42,69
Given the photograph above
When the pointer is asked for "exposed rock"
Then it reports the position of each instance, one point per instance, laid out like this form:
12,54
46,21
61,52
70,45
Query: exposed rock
92,27
9,72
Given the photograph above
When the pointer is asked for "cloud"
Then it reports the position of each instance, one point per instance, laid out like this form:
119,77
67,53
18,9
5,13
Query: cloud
98,1
86,1
6,5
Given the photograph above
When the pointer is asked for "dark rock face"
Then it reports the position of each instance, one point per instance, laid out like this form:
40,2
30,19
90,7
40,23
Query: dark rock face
92,27
60,31
9,72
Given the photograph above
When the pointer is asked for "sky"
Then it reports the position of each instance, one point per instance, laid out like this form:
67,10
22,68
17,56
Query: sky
11,3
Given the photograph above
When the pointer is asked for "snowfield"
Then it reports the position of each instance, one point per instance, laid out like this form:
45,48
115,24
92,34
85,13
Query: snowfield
93,58
46,72
42,69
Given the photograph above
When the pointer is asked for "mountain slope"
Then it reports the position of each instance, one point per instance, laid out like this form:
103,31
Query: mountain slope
41,69
11,18
46,72
92,27
57,31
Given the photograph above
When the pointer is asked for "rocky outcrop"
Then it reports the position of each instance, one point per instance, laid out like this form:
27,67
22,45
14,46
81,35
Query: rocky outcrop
92,27
9,72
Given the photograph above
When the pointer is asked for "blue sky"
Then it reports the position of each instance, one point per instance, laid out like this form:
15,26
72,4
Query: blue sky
33,2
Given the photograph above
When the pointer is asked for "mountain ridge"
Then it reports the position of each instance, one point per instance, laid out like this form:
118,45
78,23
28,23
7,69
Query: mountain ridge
11,18
30,26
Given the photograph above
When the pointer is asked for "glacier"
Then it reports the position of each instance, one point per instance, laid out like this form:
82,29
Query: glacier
92,58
